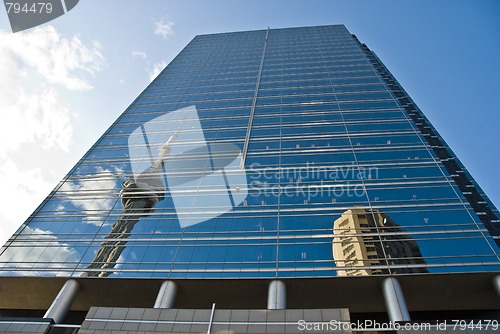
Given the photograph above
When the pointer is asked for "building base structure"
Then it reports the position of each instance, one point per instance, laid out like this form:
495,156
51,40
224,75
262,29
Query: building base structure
127,320
126,305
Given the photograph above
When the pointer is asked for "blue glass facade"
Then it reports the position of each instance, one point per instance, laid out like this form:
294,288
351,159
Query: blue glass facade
269,138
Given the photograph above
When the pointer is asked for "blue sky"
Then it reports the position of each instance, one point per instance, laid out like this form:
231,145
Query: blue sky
62,84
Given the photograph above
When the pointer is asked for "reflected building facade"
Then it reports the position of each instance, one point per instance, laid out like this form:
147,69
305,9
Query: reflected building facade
362,250
219,185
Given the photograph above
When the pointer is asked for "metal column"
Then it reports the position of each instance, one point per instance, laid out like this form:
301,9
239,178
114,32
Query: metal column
496,284
166,295
395,300
61,304
276,297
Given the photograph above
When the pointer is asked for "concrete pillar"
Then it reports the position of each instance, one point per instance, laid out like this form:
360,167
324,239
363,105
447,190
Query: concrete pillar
166,295
276,296
496,284
61,304
395,300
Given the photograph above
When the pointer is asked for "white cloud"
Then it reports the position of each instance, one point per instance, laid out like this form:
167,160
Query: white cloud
157,68
139,54
55,58
164,28
35,116
46,253
34,67
27,188
95,195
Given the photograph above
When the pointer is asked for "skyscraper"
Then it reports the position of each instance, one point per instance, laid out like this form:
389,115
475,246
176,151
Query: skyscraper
212,203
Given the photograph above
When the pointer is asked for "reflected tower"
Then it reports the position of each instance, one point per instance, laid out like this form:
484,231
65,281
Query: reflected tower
139,196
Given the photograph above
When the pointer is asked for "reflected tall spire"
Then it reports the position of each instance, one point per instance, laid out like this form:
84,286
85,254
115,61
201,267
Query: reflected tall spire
139,196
